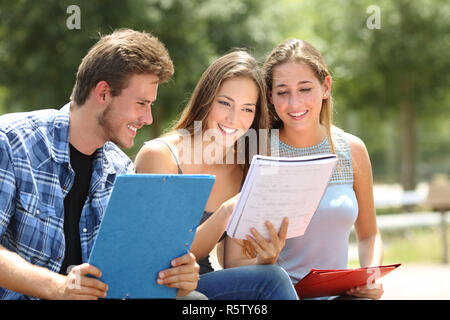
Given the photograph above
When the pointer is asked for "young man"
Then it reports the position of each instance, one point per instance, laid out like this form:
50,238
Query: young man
57,169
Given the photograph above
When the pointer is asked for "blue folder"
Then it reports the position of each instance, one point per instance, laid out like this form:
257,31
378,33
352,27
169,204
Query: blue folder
150,220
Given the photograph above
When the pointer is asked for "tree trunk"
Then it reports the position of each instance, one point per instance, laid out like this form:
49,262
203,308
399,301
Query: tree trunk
391,159
407,144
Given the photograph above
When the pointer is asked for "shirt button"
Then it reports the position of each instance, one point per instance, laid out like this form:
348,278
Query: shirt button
38,211
84,230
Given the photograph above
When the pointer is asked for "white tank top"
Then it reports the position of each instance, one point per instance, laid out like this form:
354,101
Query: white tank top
325,242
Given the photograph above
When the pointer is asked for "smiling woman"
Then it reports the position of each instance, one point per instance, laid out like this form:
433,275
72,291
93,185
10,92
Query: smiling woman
299,92
233,109
227,102
298,102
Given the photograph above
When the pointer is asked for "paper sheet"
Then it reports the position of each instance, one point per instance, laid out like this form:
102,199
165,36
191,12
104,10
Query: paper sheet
275,190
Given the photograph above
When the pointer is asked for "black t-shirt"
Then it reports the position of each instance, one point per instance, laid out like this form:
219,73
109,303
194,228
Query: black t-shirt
73,205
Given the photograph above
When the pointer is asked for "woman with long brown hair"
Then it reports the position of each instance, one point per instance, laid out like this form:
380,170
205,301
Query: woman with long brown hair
227,104
299,93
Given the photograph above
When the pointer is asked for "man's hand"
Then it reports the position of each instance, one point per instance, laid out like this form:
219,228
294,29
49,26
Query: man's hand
77,286
183,274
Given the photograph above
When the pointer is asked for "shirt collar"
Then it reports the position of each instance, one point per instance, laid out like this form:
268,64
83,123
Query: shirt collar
60,136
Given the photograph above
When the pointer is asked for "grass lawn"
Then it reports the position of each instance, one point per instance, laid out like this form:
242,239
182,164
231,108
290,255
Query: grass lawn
417,245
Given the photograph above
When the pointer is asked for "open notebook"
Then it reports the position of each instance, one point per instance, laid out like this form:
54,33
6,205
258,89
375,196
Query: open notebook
278,187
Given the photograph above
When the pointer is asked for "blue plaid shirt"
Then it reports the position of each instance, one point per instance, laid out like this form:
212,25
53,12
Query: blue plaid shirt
35,176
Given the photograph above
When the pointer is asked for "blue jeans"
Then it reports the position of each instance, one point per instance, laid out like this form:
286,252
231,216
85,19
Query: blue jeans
256,282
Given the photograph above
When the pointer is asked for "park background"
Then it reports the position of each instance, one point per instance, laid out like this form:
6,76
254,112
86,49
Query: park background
389,61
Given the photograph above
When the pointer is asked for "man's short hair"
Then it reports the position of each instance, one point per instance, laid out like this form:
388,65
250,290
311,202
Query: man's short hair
118,56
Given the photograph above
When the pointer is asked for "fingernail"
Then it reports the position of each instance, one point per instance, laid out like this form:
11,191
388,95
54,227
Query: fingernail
162,274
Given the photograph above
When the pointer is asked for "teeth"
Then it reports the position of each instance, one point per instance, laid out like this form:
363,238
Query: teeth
132,128
227,130
298,114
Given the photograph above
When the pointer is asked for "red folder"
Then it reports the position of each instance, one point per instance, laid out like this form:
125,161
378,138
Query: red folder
321,283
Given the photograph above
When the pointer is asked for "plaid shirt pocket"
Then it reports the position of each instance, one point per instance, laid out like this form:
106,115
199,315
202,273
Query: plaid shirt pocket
39,230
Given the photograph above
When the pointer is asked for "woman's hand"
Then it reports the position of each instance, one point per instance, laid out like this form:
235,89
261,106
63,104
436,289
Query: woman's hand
371,291
267,251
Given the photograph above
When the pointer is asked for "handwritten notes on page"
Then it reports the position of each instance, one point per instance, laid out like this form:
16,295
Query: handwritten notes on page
278,187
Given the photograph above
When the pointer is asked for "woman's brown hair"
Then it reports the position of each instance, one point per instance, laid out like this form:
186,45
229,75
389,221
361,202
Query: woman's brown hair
303,52
300,51
238,63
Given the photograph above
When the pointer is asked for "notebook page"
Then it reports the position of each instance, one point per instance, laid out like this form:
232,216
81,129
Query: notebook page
292,189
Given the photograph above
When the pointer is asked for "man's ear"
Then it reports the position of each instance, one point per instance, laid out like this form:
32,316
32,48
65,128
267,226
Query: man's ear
102,92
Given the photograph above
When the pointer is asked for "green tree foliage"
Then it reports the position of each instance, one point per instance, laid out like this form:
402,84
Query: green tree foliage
39,54
395,78
390,84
